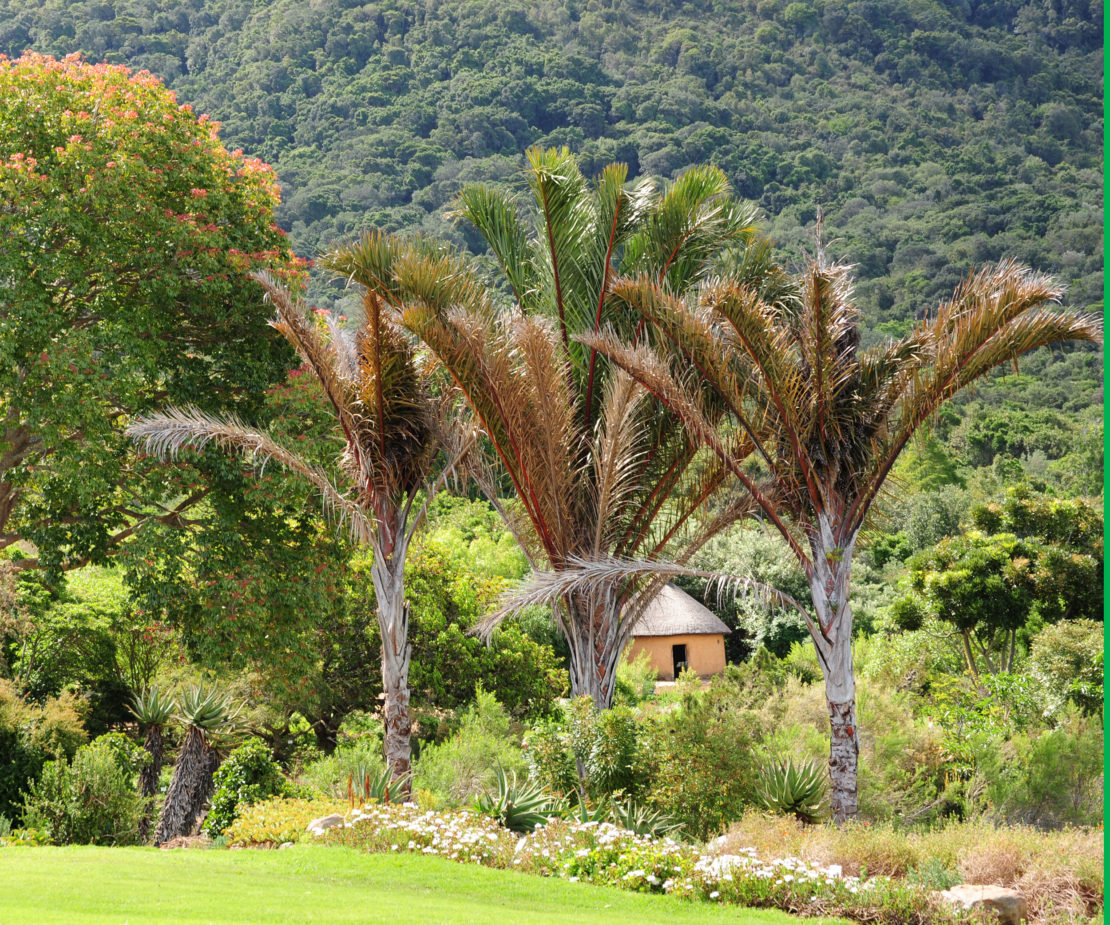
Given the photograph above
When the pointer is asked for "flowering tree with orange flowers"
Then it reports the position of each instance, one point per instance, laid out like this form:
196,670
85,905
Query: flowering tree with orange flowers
128,232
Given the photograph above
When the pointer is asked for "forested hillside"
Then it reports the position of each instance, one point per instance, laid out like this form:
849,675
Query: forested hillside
934,136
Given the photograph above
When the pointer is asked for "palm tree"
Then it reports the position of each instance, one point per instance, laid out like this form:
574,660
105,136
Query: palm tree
203,713
395,431
597,467
153,710
826,421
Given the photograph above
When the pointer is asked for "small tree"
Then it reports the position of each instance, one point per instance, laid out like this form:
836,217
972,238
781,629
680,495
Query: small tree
153,710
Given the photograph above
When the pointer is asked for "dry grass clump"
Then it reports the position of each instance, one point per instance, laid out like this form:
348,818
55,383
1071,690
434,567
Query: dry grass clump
1060,873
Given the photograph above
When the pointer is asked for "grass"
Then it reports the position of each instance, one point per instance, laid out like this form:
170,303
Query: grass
129,886
1059,872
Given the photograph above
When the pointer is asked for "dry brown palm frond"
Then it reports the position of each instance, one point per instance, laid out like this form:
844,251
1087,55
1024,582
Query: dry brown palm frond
174,429
625,578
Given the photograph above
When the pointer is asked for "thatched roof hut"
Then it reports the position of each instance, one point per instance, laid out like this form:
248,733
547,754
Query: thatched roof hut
678,632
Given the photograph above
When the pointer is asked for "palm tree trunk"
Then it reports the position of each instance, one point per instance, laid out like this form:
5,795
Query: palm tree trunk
387,573
832,635
148,777
596,640
189,788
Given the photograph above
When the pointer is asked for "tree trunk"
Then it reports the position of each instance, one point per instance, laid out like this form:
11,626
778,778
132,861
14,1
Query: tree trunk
189,788
148,777
387,573
832,635
596,640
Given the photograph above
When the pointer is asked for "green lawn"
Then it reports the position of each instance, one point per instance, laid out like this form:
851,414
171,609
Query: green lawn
312,884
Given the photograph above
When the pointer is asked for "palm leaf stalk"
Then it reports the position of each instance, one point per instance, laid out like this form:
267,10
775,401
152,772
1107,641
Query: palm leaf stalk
402,441
153,710
203,714
599,468
827,420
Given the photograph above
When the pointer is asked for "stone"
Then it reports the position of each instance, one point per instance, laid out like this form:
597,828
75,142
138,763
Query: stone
321,825
1010,905
285,844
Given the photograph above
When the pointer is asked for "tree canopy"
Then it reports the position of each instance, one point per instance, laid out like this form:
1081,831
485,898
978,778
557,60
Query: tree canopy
128,229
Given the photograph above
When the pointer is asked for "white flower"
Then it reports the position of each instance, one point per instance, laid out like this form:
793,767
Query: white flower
714,894
834,870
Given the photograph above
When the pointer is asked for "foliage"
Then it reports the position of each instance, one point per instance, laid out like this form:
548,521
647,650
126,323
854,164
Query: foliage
90,800
30,735
935,138
350,762
519,807
791,789
1067,661
129,230
1049,779
248,775
272,822
635,679
467,764
697,763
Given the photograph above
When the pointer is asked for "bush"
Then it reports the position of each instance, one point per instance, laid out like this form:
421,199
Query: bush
349,762
1066,661
29,736
459,769
248,775
697,760
278,820
1048,780
89,801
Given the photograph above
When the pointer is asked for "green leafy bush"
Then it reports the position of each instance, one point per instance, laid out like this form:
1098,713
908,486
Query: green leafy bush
329,774
466,764
1049,779
1067,661
30,735
248,776
697,762
89,801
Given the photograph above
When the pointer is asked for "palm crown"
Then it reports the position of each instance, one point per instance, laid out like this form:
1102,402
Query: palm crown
598,467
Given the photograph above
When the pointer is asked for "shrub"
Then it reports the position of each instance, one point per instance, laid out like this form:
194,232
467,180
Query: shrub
278,820
329,775
1049,780
697,760
89,801
1067,661
31,735
462,767
248,775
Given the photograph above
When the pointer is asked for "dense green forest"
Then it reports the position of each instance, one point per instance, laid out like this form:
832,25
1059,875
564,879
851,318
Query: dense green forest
933,136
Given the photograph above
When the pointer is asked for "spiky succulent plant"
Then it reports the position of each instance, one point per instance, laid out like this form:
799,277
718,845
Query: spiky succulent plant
797,790
519,807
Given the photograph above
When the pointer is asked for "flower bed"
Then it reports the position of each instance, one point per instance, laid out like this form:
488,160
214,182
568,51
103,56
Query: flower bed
602,853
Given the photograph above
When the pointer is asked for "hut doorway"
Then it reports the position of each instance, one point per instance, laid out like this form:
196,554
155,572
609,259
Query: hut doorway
678,655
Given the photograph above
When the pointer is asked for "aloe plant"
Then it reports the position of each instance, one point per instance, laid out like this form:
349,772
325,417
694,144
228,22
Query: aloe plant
153,709
370,784
204,714
797,790
642,820
519,807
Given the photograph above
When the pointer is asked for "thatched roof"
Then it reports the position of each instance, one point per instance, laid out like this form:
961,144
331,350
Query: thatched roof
675,613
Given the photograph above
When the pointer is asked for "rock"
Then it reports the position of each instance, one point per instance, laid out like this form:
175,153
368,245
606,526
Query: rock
1010,905
321,825
285,844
